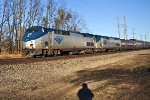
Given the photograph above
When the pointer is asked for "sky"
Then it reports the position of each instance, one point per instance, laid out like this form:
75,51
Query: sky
101,16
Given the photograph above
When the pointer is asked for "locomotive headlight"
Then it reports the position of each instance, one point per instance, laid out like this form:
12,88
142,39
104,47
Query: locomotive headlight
31,45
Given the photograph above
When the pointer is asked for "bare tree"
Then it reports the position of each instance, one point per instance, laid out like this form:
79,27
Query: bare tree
59,21
62,19
18,35
34,11
75,22
51,10
11,21
5,19
25,16
14,26
9,14
68,20
2,9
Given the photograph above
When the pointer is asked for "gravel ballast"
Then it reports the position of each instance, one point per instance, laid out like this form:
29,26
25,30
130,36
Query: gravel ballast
61,79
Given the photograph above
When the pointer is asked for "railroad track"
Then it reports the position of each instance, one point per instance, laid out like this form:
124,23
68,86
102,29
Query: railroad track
11,61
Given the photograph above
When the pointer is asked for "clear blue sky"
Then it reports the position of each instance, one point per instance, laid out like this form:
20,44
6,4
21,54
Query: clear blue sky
101,16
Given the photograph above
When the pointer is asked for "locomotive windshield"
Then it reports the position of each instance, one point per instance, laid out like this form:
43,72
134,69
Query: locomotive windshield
33,29
33,33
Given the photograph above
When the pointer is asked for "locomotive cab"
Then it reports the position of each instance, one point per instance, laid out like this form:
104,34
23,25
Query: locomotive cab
32,39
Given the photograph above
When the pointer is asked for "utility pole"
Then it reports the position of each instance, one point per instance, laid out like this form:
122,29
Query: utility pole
145,42
133,38
119,27
133,33
141,38
125,30
125,34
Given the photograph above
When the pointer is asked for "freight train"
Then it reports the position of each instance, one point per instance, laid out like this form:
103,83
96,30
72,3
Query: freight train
40,41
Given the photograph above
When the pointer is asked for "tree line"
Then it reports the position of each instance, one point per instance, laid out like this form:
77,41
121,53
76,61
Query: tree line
18,15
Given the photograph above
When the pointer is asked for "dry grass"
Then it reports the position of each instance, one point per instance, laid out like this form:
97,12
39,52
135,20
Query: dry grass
7,55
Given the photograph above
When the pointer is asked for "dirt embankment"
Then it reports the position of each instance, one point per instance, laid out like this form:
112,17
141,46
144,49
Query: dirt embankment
123,76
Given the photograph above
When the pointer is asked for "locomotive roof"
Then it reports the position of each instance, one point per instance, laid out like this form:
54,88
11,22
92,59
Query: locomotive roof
115,38
87,34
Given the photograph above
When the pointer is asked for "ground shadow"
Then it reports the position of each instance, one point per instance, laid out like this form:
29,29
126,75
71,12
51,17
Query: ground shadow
137,76
85,93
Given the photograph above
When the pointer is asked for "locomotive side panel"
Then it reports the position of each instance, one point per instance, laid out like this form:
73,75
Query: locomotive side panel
68,42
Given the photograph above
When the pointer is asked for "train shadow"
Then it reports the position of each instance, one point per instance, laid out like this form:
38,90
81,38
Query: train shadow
97,75
139,77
